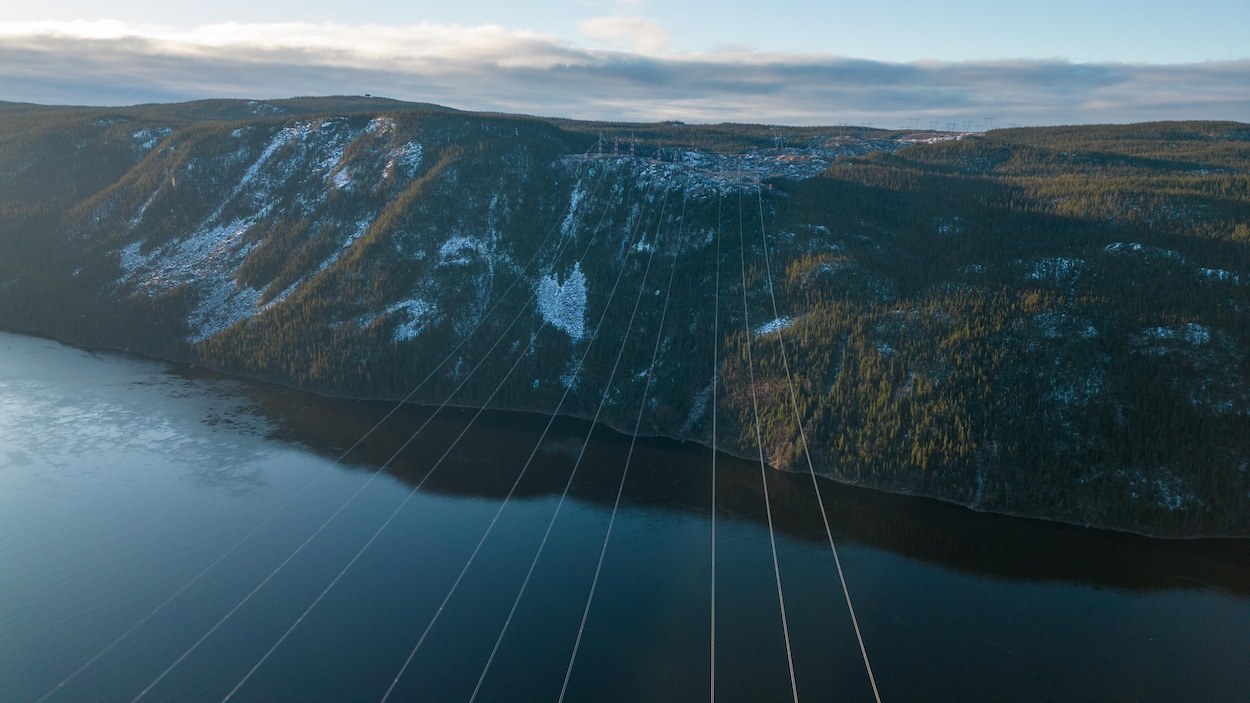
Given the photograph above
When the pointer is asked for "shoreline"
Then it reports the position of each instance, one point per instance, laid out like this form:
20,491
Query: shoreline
40,334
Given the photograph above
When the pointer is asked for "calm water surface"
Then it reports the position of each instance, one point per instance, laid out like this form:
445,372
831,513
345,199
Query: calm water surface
122,479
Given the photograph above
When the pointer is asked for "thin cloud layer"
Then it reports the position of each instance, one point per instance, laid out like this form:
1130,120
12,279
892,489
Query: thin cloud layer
493,68
627,32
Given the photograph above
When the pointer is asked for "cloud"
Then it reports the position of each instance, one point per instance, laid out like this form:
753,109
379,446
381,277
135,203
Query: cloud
489,67
627,32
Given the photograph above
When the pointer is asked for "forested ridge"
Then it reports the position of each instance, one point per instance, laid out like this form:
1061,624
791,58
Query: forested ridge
1039,321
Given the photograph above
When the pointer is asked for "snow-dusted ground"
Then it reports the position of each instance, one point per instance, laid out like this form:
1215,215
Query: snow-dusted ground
563,305
695,170
1161,487
1221,275
416,313
1058,325
1058,271
455,251
208,258
567,227
772,326
406,157
149,137
1135,248
1154,339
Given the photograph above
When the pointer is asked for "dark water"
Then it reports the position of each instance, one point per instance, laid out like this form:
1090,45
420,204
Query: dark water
121,479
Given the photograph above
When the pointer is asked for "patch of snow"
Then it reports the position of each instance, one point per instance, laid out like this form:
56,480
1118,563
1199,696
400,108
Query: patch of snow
134,221
149,137
361,228
1057,270
261,108
418,314
1055,325
570,375
1078,391
407,156
1191,333
776,325
207,260
284,137
221,305
1219,275
570,220
132,260
380,125
452,250
284,294
342,179
563,305
1135,248
1164,488
1119,247
698,408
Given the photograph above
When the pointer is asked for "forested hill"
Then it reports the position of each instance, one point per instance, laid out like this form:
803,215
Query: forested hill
1050,322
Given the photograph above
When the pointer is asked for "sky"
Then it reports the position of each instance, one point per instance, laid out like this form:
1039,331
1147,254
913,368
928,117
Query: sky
799,62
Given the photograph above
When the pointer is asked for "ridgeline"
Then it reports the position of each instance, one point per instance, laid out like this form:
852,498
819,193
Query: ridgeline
1051,322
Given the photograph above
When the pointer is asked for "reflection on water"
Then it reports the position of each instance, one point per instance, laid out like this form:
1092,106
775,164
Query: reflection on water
68,407
121,479
675,475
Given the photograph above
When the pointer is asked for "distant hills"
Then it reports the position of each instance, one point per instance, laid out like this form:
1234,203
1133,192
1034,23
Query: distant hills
1051,322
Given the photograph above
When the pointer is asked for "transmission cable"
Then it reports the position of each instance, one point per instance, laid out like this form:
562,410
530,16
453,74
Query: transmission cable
759,442
325,470
511,491
715,381
620,489
412,493
607,389
808,455
364,485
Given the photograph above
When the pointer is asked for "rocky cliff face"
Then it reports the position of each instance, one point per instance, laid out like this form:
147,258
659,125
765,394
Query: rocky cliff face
986,319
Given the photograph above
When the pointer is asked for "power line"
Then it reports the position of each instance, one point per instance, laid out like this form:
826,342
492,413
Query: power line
807,453
349,500
322,527
415,488
385,524
759,442
325,470
642,406
550,421
715,380
564,495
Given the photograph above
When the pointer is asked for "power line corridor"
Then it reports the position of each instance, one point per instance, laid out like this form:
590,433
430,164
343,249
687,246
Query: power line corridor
653,258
